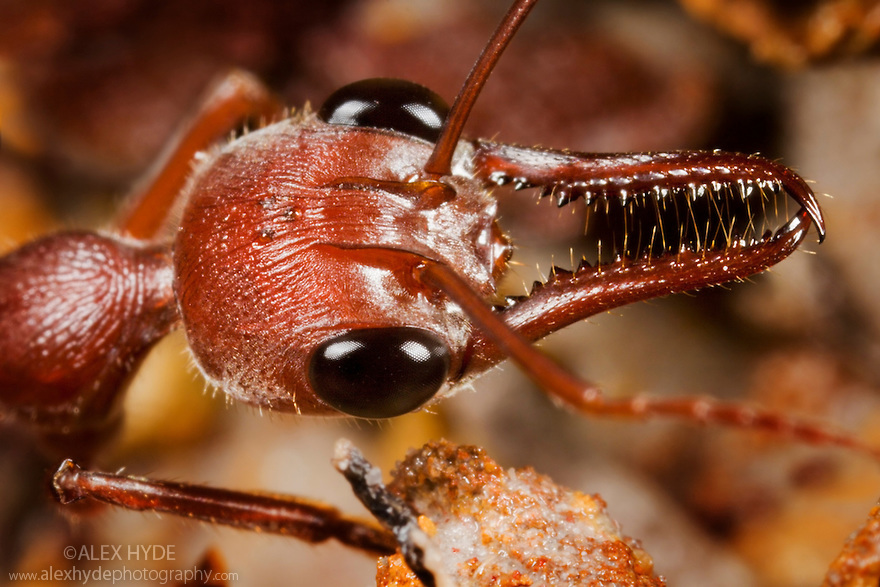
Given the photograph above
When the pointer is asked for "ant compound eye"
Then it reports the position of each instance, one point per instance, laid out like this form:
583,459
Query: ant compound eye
391,104
379,372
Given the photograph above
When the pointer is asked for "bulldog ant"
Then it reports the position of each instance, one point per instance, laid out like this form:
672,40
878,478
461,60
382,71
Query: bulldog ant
344,262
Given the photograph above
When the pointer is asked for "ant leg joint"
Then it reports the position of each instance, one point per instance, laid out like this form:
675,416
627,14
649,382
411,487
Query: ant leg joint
66,482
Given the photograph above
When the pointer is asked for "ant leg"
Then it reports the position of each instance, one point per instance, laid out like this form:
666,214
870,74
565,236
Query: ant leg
287,515
588,399
229,103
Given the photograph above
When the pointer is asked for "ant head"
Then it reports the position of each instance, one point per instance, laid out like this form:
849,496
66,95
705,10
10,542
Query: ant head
286,276
285,272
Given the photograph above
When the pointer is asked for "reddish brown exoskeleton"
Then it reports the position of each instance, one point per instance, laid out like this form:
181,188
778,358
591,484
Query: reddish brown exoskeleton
345,262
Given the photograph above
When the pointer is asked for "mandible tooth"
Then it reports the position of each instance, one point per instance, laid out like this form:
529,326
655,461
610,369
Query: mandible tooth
499,178
563,195
521,183
560,273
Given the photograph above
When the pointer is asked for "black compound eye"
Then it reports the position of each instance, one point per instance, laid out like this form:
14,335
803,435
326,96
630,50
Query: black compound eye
379,372
392,104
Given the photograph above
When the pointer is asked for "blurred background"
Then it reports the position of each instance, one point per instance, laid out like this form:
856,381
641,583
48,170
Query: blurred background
89,91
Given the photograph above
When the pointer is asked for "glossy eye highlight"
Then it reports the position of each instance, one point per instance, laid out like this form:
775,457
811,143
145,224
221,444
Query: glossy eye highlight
379,372
387,103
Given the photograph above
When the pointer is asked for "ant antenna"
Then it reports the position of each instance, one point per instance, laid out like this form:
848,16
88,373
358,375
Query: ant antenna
440,162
